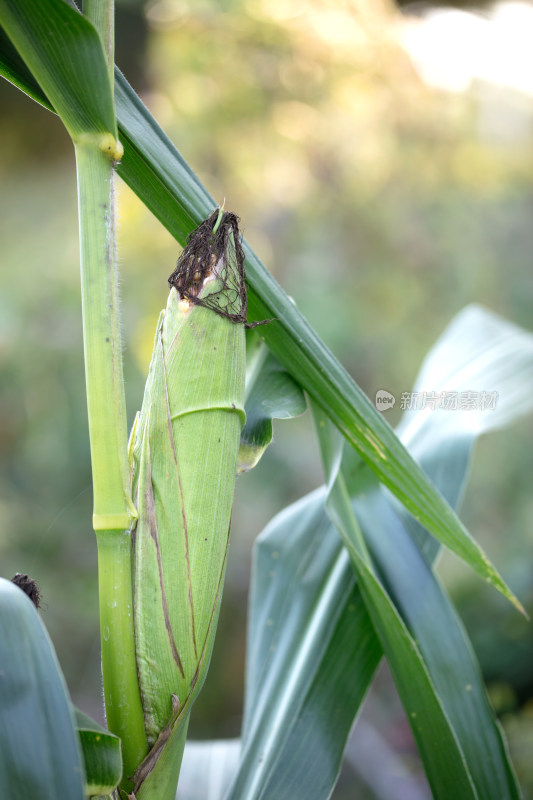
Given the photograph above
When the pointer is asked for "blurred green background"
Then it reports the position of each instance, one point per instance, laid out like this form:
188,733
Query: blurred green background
384,173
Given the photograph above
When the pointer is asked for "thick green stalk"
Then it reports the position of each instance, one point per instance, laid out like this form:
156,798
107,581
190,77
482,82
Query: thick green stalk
121,688
114,513
113,508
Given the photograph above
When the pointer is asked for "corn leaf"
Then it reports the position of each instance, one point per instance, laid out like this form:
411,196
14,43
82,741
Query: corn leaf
271,393
207,769
445,766
39,750
481,353
478,352
307,621
436,676
64,54
101,755
157,173
13,68
441,643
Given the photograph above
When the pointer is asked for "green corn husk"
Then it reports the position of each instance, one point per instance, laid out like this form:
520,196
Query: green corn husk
184,465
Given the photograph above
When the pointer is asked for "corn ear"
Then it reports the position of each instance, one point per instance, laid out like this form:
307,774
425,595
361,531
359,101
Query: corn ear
184,464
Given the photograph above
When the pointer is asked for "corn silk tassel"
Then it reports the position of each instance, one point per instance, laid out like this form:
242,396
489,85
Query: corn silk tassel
185,446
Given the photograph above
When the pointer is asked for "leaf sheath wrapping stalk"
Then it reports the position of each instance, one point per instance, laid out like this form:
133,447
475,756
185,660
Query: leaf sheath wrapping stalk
184,460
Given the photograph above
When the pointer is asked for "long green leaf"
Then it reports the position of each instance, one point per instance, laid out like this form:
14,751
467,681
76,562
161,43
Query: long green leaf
311,657
479,352
444,762
157,173
39,750
442,644
65,56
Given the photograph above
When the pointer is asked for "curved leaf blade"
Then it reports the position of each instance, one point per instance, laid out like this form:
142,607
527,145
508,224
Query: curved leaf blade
101,755
312,653
446,768
64,54
13,69
271,393
39,750
478,352
443,645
